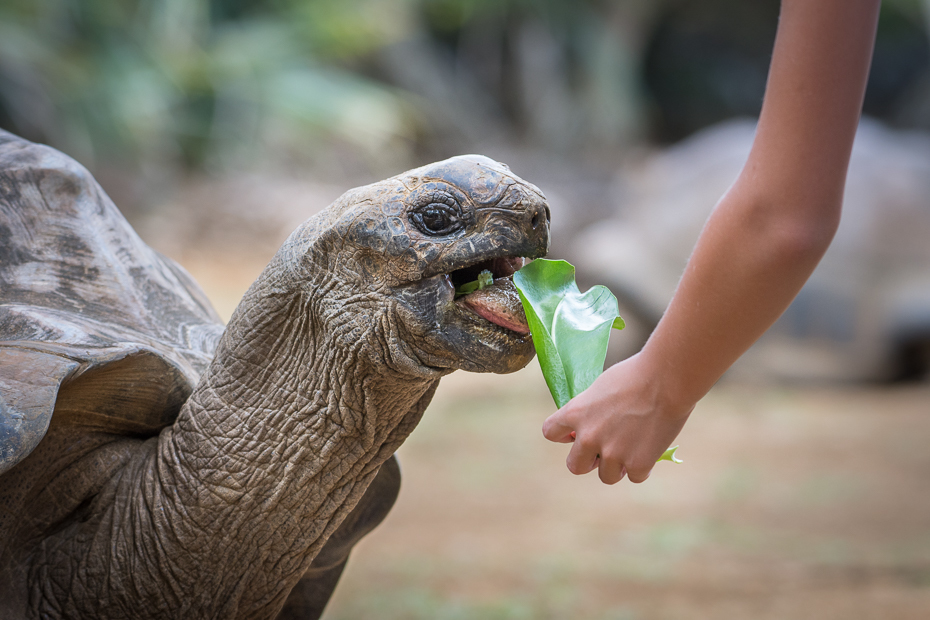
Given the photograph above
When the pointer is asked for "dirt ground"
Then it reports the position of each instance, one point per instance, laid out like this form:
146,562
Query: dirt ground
792,503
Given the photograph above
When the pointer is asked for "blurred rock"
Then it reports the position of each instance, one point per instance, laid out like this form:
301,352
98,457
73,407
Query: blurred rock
865,312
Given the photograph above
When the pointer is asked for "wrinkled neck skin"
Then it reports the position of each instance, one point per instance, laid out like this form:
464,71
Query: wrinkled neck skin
224,513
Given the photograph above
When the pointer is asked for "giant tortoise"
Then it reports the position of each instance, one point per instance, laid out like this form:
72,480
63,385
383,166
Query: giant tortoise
155,465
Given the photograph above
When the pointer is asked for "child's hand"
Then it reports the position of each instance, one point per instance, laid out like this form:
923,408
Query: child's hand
620,425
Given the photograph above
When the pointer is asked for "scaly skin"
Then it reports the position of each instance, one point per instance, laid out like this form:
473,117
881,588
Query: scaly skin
324,370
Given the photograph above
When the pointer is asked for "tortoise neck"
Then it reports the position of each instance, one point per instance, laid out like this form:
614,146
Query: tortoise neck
286,430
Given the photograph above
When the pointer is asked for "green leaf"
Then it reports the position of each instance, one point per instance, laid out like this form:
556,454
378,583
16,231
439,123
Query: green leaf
570,329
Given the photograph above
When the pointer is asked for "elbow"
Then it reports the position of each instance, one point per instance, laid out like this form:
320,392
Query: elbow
803,239
790,224
788,227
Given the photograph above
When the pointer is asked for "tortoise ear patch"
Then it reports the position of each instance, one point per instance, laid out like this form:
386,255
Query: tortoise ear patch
29,385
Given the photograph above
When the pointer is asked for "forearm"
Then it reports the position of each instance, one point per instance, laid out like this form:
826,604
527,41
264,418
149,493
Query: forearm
723,304
768,233
759,246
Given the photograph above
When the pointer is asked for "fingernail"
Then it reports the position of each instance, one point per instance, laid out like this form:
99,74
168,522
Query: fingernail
572,435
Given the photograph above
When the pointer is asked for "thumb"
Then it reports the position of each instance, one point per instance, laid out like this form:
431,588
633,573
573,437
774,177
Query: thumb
555,429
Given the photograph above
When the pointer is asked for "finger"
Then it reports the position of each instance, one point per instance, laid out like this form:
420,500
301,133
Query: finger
610,471
639,475
582,458
553,430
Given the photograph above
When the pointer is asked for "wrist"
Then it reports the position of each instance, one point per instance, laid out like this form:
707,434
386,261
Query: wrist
672,393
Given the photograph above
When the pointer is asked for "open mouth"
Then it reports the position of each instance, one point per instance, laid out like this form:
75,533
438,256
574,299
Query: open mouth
497,301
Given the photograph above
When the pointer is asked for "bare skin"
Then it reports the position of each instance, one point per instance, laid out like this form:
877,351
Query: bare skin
759,246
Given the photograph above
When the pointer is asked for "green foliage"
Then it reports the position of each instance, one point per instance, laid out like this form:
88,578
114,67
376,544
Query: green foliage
182,83
162,85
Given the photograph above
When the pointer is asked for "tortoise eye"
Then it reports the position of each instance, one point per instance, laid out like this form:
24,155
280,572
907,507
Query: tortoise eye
437,219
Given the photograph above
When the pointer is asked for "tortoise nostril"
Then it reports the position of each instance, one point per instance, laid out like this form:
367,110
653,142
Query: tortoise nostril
548,215
537,216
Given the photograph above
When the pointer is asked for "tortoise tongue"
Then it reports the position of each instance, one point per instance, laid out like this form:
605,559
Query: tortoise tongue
499,304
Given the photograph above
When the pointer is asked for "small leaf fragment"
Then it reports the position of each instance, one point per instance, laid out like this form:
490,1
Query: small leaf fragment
467,288
485,279
669,455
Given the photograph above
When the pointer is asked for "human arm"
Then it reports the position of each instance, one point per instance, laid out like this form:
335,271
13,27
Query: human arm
759,246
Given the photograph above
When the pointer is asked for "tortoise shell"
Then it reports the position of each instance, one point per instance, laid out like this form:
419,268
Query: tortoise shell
94,324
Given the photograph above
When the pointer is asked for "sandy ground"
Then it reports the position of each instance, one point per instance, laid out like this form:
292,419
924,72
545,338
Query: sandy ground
792,503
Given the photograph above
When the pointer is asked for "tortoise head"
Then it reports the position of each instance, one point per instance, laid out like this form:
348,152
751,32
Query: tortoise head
395,251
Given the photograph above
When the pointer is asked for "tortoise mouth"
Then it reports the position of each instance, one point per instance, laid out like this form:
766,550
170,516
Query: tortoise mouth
501,267
497,304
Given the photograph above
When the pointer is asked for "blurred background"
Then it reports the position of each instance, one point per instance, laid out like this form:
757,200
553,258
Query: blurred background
217,126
